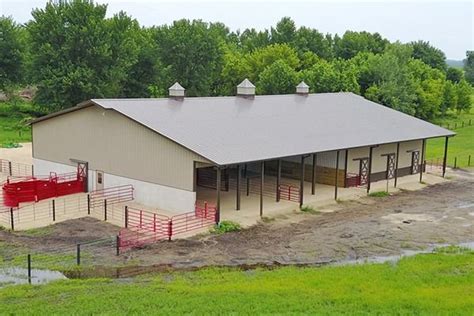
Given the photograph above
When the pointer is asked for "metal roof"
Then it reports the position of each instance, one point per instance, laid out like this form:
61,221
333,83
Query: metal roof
228,130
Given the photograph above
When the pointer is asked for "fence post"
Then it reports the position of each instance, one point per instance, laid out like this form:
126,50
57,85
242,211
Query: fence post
141,218
105,210
170,229
78,254
455,162
469,161
10,172
88,204
32,170
28,258
117,245
154,222
205,209
11,219
54,210
126,216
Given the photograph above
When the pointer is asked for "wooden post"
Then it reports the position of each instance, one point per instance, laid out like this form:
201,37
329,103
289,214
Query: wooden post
126,216
237,202
78,254
302,181
396,165
54,210
422,163
262,183
345,168
12,222
371,149
88,204
445,157
278,180
337,175
218,196
313,176
105,210
28,258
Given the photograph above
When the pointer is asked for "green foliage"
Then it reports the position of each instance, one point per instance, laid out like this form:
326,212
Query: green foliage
226,227
464,100
426,284
469,67
353,43
430,55
379,194
454,74
309,209
12,54
278,78
191,54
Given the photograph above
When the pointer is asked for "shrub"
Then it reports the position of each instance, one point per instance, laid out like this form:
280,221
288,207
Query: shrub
308,209
226,227
379,194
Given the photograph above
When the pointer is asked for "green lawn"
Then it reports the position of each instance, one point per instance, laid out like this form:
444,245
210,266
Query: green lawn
460,146
13,122
428,284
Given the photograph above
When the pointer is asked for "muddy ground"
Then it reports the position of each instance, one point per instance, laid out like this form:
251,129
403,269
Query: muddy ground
438,214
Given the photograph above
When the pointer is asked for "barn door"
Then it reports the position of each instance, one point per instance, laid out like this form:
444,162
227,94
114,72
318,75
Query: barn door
415,162
390,166
364,170
82,172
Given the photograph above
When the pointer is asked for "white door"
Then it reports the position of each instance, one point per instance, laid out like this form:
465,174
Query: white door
99,180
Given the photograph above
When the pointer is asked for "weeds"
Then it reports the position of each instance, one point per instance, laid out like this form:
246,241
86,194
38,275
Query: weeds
379,194
226,227
308,209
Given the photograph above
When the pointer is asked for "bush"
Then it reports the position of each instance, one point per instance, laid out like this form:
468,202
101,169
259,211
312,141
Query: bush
379,194
226,227
308,209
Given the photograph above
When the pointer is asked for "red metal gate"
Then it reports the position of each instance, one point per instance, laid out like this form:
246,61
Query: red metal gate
145,227
289,192
33,189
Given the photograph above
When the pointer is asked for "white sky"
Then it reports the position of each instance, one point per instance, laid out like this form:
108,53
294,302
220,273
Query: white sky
448,25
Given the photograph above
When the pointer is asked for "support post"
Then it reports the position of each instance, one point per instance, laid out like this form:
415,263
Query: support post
28,258
12,222
445,157
371,149
396,165
278,180
10,171
345,168
105,210
117,245
78,254
126,216
422,163
302,181
337,175
170,228
218,196
54,210
32,170
262,183
237,202
88,204
313,175
248,186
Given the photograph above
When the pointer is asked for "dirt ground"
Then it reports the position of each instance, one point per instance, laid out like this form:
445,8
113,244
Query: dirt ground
368,227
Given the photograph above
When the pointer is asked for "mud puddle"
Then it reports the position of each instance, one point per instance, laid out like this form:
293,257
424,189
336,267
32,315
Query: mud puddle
16,275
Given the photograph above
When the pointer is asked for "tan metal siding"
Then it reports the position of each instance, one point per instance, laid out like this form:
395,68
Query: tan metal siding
114,144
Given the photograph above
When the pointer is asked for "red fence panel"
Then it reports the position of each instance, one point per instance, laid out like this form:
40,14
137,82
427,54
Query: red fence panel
113,195
352,180
289,192
17,190
144,227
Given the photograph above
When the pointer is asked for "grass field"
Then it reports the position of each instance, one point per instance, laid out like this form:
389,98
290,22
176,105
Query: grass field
427,284
460,146
13,119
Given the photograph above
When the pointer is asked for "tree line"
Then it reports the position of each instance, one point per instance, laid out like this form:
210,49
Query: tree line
71,52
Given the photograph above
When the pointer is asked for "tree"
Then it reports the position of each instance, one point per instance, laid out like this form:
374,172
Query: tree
12,54
454,74
310,40
234,70
353,43
251,40
193,55
450,99
264,57
430,55
284,32
74,55
469,67
278,78
464,92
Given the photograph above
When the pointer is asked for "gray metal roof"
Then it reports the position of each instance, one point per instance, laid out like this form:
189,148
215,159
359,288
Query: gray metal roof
229,130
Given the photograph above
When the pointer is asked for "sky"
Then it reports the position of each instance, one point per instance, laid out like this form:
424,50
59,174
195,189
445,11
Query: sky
447,25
